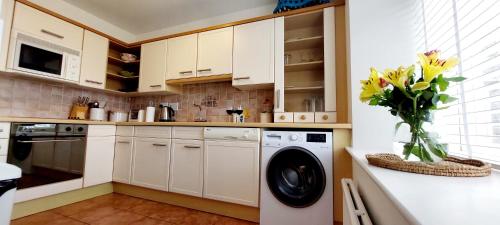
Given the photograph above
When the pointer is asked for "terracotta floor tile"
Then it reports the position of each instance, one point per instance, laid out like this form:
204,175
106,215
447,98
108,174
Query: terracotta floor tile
222,220
199,218
119,218
75,208
146,208
118,201
94,214
45,218
150,221
171,214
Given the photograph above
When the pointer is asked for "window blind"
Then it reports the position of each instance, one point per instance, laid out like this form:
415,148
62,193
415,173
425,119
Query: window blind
470,31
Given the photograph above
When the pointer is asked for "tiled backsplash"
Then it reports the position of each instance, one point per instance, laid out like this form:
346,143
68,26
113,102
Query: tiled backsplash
24,97
215,98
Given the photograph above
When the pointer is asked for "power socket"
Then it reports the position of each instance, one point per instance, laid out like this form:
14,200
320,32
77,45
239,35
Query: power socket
175,105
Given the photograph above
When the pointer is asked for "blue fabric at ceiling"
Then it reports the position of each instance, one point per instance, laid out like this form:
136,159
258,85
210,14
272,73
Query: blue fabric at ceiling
286,5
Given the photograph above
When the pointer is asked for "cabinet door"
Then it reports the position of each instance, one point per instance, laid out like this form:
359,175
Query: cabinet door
151,157
94,60
186,168
215,52
153,66
99,160
231,172
6,13
181,57
123,159
253,54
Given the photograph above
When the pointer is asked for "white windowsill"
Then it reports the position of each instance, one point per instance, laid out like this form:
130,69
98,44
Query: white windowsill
437,200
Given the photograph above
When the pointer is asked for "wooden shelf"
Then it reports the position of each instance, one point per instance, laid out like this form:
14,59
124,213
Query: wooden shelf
113,59
204,79
309,19
304,43
314,65
294,89
118,76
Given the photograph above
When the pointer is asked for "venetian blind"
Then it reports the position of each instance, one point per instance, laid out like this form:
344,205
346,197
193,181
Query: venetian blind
470,31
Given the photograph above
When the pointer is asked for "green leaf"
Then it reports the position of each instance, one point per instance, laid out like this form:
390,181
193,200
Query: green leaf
455,79
443,84
445,99
427,95
373,101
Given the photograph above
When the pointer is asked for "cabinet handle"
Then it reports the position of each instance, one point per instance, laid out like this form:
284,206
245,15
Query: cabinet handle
230,137
52,33
303,117
93,82
186,72
278,98
282,117
156,85
205,70
192,146
124,142
160,145
325,117
241,78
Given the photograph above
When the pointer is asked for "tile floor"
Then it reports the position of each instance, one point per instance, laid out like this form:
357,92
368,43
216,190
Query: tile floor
120,209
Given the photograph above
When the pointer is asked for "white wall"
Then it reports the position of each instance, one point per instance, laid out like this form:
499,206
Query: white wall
381,34
86,18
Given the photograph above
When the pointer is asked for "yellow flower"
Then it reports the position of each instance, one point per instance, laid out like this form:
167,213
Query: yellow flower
420,86
373,86
432,66
399,77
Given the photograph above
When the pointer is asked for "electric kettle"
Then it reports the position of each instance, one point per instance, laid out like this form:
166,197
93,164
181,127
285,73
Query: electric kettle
167,113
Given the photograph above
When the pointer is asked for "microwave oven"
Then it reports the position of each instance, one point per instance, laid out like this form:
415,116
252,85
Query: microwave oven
38,57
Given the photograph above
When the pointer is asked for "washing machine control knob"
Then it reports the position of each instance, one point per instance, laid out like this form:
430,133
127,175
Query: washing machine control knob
293,137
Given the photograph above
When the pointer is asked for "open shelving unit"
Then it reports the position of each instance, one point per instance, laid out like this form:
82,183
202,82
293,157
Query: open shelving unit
114,80
304,66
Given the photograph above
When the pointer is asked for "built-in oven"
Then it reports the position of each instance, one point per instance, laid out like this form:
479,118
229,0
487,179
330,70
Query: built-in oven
36,56
47,153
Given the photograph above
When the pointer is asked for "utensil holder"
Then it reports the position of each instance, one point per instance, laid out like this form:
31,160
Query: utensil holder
78,112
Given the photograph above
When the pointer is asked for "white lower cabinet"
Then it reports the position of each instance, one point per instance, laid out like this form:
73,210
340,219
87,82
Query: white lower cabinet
186,167
122,165
98,160
231,171
151,158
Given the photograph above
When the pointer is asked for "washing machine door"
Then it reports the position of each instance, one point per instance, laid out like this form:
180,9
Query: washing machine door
296,177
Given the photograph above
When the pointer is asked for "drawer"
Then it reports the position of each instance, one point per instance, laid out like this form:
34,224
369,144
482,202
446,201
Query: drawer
187,132
153,131
303,117
47,27
325,117
283,117
4,130
4,145
125,131
101,130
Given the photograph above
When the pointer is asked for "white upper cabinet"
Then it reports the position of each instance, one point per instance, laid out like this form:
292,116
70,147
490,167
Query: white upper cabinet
6,12
153,66
94,60
47,27
253,53
215,52
181,57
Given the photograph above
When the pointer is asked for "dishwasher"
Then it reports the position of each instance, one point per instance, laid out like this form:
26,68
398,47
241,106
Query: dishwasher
231,165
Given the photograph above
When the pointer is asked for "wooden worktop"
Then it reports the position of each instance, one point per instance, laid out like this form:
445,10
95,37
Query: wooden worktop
194,124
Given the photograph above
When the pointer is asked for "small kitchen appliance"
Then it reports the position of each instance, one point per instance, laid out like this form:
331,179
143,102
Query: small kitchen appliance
167,113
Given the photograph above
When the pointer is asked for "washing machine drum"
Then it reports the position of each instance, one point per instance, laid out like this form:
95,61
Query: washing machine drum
296,177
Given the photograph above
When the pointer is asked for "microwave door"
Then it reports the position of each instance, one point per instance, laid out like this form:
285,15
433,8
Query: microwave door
36,59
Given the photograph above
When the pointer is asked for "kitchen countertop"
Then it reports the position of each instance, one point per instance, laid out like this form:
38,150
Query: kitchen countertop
437,200
198,124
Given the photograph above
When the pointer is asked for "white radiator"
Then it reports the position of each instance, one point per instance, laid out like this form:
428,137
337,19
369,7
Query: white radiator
354,209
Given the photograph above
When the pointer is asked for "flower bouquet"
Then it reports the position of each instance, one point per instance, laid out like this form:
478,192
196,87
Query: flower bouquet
413,98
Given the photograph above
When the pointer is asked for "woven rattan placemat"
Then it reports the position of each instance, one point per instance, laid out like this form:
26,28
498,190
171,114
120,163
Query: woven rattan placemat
450,166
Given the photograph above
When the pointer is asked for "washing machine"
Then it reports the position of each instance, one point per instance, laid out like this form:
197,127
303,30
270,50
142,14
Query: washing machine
296,178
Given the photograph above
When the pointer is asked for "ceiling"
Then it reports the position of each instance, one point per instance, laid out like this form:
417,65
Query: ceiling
145,16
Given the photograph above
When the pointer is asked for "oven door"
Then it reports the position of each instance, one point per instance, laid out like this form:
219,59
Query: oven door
47,160
38,57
